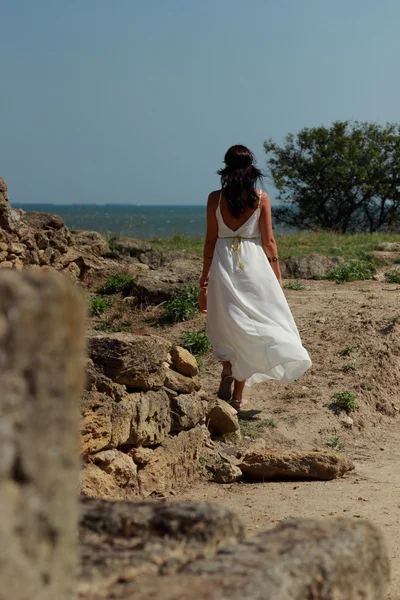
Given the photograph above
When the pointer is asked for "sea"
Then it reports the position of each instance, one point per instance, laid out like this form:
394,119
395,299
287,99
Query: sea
145,222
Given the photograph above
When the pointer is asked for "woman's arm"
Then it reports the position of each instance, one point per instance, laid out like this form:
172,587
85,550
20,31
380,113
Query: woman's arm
267,236
211,237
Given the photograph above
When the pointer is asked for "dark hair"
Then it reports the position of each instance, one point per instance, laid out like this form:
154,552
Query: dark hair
239,178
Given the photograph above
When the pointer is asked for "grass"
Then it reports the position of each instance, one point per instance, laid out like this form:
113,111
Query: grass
196,342
335,442
294,285
120,283
184,305
346,401
393,276
253,428
349,246
354,270
347,351
99,305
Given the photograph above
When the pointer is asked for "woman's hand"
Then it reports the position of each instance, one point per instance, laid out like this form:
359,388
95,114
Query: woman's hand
203,300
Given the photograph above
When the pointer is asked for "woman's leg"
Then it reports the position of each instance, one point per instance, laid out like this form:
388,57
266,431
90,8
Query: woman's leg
224,391
237,401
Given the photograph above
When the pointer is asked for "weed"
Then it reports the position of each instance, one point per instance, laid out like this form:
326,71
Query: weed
349,368
196,341
294,285
335,442
346,401
184,305
397,261
120,283
372,297
347,351
202,460
352,271
99,306
393,276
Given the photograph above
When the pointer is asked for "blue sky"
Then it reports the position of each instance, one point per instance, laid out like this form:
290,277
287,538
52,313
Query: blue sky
136,101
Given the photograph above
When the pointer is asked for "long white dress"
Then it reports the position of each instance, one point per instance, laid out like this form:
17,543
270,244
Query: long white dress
249,322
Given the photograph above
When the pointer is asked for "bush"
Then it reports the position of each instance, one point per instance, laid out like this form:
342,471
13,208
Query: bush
347,351
354,270
99,305
196,342
120,283
335,442
184,305
393,276
113,327
346,401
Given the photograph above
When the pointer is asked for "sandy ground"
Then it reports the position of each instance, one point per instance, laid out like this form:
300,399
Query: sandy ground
330,317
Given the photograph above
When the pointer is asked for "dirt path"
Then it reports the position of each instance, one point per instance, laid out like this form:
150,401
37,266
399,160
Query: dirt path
371,492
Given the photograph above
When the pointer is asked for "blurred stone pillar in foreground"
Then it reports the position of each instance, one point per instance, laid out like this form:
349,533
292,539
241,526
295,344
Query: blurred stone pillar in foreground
42,321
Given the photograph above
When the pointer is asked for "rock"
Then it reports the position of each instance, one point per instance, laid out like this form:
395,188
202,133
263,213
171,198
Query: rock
164,283
346,421
130,246
101,383
42,328
341,559
174,464
16,248
389,247
281,464
222,418
132,360
150,420
184,362
181,384
90,241
171,535
309,266
141,456
6,265
43,221
119,465
96,483
187,411
96,425
227,473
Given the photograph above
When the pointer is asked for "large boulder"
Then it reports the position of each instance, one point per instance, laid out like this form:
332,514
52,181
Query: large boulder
171,535
137,361
180,383
187,411
90,241
164,283
184,362
42,326
222,418
309,266
267,464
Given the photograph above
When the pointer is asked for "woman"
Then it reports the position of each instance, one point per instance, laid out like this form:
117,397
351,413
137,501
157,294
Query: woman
249,322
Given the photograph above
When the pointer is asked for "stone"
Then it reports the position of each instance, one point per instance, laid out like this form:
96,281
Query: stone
7,264
119,465
309,266
184,362
164,283
151,420
42,327
226,472
141,456
96,424
98,381
222,418
121,540
268,464
130,246
90,241
132,360
96,483
174,464
44,221
179,383
346,421
72,271
187,411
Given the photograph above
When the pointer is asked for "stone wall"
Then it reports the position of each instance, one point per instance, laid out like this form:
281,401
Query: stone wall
143,417
41,377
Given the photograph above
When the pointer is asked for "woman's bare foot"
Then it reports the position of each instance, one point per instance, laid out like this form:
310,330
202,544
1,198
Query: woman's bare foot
238,402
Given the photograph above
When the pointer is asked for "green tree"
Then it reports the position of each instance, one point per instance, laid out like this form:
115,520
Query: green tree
341,178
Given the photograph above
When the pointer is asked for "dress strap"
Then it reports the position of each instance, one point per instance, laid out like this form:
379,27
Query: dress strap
259,198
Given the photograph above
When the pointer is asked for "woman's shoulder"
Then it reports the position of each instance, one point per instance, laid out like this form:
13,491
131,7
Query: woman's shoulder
214,197
264,199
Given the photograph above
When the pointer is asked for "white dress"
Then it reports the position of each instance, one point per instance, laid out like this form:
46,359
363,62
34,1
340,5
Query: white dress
249,322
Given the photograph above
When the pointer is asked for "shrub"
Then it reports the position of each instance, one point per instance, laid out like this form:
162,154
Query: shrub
354,270
335,442
346,401
393,276
348,368
347,351
120,283
184,305
196,341
294,285
113,327
99,305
